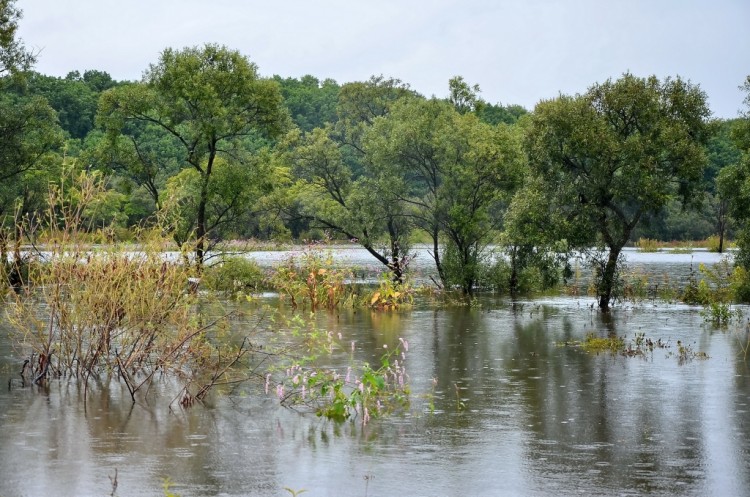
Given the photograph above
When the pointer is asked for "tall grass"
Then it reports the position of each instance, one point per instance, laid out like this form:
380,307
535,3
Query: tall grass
111,313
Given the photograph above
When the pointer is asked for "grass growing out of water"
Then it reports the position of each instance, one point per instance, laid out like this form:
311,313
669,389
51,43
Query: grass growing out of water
648,245
596,345
639,346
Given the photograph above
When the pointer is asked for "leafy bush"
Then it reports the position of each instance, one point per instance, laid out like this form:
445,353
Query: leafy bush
311,279
390,295
234,275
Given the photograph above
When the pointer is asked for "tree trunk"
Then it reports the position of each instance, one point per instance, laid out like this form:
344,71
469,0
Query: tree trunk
200,227
200,230
722,223
436,255
397,259
513,283
608,277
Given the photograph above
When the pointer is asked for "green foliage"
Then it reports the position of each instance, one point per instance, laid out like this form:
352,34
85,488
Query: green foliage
234,275
713,244
733,181
496,114
212,102
719,287
616,153
341,189
311,102
30,137
14,57
72,98
110,311
458,174
534,239
390,295
371,393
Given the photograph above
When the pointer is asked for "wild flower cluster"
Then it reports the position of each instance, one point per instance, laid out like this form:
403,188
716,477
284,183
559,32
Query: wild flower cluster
357,393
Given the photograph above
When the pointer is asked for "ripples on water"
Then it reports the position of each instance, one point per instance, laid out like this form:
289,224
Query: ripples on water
537,418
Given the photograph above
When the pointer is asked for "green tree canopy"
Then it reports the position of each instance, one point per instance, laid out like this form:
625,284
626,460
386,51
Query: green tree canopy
457,172
618,152
14,57
733,181
209,99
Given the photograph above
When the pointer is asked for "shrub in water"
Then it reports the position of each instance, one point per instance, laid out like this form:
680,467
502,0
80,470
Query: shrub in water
234,275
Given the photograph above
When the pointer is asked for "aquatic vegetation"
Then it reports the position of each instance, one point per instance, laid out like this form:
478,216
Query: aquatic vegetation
166,486
112,313
648,245
639,346
358,393
295,493
716,291
594,344
390,295
311,279
233,276
685,353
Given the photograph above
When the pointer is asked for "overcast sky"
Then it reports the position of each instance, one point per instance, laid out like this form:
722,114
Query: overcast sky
518,51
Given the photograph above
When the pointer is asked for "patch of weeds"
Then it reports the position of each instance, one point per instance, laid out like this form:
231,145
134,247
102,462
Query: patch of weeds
340,396
685,353
390,295
648,245
310,279
596,345
639,346
716,291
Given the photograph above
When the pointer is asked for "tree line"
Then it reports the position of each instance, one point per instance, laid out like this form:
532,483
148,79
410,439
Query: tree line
209,150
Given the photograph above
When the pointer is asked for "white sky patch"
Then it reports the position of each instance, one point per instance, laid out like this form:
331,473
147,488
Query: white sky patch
517,51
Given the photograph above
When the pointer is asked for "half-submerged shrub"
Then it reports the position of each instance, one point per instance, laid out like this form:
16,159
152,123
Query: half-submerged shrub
234,275
390,295
114,312
311,279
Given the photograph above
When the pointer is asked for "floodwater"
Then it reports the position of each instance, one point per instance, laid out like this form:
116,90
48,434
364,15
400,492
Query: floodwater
498,407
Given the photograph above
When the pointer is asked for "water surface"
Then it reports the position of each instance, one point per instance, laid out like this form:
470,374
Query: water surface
498,407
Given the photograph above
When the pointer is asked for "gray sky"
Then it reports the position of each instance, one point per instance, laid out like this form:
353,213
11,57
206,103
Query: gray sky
518,51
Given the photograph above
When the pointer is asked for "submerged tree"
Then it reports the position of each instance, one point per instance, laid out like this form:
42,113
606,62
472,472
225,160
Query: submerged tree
210,100
734,181
341,189
458,173
619,151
